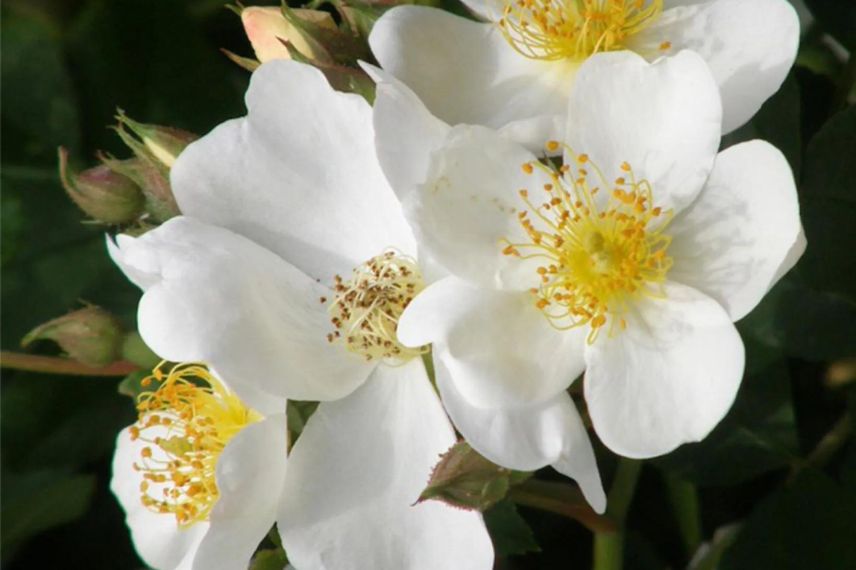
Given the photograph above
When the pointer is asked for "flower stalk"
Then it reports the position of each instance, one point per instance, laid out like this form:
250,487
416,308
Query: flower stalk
65,366
609,545
560,499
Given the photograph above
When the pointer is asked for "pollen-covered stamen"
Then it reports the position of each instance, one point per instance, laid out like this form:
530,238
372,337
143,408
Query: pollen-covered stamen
600,252
366,307
575,29
187,420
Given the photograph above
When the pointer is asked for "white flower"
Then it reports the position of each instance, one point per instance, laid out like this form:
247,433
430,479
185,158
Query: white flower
516,70
287,274
630,261
200,473
527,436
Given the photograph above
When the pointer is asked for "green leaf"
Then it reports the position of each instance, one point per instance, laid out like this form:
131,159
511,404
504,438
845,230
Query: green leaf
808,524
828,203
778,122
270,559
36,501
838,17
510,533
804,322
41,110
757,435
297,414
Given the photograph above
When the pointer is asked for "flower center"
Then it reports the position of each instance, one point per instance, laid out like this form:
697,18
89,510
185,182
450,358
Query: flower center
600,253
187,419
367,307
575,29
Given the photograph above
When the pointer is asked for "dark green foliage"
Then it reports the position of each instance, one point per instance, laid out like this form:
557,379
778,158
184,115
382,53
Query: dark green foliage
766,497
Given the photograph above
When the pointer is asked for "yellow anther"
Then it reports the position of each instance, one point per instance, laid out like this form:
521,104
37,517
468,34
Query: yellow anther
574,29
602,255
367,307
195,417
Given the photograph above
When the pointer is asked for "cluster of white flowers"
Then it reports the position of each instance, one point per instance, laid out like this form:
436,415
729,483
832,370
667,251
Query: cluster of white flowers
531,201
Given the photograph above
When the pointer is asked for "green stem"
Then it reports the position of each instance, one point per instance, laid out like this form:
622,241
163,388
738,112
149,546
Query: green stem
55,365
827,446
685,504
609,545
561,499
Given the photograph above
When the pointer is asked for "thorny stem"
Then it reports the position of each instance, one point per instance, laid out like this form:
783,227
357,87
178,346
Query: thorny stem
65,366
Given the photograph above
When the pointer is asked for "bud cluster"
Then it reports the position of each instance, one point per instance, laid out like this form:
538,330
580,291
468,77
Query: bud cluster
133,192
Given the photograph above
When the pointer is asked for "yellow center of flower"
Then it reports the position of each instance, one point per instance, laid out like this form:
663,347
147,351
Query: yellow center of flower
366,307
575,29
600,252
187,420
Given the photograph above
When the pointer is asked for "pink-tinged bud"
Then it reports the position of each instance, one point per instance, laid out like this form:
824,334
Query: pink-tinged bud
464,479
103,194
267,29
164,143
153,178
91,336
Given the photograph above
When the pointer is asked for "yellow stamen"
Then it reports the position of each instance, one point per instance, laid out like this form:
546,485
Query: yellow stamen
367,307
599,254
187,419
574,29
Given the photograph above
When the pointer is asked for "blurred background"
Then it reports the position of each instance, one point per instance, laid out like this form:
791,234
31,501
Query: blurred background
773,487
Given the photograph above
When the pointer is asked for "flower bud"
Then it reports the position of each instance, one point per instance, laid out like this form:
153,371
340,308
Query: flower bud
102,193
164,143
267,28
153,179
463,478
91,336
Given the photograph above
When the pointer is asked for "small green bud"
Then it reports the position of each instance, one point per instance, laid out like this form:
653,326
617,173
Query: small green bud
463,478
102,193
164,143
91,336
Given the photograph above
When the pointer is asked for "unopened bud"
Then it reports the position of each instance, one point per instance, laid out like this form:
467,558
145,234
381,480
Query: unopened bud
464,479
105,195
91,336
267,28
153,179
164,143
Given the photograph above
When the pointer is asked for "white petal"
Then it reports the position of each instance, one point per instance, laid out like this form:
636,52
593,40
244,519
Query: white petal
750,46
465,213
219,298
298,175
250,476
500,350
406,133
527,438
466,72
666,380
661,118
355,474
157,537
733,242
